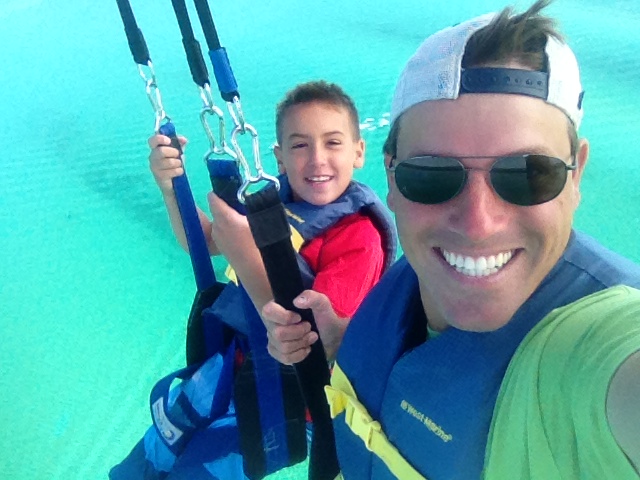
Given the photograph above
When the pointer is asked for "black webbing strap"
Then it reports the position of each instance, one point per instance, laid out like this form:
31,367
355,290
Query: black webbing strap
208,27
136,41
272,234
197,65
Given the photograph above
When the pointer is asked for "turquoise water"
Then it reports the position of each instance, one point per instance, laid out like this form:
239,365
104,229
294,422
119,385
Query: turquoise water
94,291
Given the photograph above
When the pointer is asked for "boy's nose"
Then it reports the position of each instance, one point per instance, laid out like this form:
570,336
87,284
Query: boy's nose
318,155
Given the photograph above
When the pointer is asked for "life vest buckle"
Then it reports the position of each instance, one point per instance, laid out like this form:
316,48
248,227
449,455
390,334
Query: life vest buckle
361,423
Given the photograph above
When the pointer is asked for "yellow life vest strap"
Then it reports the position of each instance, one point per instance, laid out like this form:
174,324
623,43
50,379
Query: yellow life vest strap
342,398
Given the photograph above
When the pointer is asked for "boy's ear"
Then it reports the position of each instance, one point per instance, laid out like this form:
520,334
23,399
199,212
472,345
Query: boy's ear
360,149
277,151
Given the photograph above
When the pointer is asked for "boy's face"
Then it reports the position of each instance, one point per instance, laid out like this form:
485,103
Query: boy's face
319,151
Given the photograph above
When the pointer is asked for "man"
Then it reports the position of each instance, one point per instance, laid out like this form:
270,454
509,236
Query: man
505,344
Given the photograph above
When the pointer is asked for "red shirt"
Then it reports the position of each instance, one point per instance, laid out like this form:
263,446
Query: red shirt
348,259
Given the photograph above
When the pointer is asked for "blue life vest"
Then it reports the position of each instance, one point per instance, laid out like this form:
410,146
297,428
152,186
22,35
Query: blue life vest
231,323
268,389
435,399
310,221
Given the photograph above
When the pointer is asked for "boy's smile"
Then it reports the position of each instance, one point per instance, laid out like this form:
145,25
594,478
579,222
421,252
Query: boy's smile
319,151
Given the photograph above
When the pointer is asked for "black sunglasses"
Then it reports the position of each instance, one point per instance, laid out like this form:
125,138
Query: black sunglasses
523,180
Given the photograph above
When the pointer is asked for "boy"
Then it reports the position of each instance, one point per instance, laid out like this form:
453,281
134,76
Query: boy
347,242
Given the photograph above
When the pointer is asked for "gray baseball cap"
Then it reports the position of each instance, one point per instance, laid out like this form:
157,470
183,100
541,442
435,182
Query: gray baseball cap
435,72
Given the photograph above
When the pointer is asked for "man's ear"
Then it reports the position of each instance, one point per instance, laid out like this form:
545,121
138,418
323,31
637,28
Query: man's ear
391,183
277,152
360,149
582,156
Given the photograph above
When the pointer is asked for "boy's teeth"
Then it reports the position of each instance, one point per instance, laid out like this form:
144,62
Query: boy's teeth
321,178
477,267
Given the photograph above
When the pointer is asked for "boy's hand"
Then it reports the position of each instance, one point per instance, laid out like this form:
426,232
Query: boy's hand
165,161
290,338
231,233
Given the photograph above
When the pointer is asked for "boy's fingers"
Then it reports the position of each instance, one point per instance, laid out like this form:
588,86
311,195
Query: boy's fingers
167,166
219,208
289,333
157,140
295,344
213,200
294,351
289,359
167,151
318,302
277,314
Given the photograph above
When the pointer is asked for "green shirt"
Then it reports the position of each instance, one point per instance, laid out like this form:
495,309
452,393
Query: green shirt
550,417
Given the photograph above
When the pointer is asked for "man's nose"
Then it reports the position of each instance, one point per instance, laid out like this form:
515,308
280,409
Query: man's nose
478,212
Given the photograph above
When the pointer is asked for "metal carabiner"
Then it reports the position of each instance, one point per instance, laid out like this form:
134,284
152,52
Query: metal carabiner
236,113
211,109
207,96
153,93
248,177
213,148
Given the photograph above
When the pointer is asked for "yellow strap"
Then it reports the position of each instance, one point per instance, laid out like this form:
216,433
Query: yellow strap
342,398
296,240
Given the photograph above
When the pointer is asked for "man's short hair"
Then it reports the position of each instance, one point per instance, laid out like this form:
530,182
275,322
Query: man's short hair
317,91
508,37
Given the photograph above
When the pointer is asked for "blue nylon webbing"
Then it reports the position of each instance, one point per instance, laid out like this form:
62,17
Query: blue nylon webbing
198,251
269,388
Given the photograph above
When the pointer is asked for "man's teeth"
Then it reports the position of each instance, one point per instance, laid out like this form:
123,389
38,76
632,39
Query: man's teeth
477,267
320,178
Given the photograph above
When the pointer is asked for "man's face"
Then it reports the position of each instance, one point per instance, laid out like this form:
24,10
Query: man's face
477,223
318,151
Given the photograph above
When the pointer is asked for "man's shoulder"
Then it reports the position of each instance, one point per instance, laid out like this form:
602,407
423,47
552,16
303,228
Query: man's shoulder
604,265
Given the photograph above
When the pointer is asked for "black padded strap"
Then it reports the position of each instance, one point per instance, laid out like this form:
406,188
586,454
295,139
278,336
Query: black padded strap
136,41
191,46
271,231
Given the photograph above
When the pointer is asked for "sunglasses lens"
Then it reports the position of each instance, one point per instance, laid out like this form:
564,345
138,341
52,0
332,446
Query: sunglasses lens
529,179
429,180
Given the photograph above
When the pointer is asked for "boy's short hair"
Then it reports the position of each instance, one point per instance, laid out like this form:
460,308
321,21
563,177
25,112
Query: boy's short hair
317,91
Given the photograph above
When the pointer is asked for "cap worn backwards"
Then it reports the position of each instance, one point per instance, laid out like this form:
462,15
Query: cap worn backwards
435,72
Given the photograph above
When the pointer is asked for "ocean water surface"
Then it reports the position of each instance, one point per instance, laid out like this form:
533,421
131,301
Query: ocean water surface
94,290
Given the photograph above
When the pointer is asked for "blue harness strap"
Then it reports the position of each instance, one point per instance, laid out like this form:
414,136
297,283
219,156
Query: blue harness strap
203,396
226,181
198,251
262,373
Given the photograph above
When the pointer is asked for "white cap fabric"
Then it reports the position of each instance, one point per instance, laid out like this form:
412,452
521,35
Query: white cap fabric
435,71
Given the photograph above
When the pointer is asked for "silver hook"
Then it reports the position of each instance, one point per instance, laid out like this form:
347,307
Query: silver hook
236,113
260,175
153,93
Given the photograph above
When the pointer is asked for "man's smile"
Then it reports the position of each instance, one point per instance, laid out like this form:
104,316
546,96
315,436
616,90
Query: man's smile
477,266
